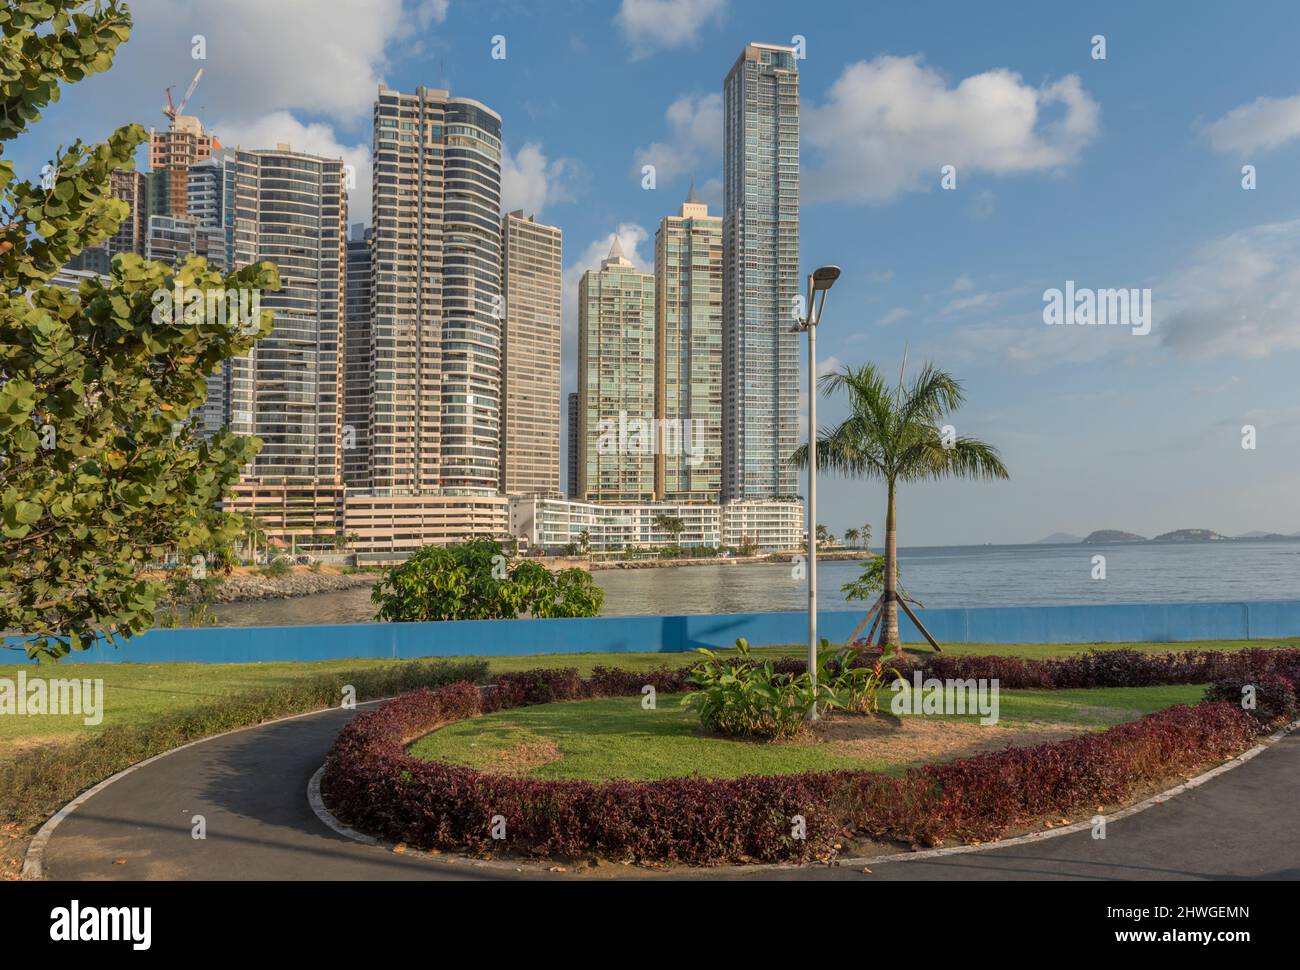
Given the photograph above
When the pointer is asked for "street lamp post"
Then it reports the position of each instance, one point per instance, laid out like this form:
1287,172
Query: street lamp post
819,283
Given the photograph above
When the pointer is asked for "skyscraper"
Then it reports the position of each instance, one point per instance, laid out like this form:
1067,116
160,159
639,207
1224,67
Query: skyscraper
133,188
356,371
172,152
761,268
573,444
688,354
530,366
290,208
434,396
616,381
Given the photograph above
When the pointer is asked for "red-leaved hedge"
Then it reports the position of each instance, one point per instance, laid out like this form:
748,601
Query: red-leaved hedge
372,783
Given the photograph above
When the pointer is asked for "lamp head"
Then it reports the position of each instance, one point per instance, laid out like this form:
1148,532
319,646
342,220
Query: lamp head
824,277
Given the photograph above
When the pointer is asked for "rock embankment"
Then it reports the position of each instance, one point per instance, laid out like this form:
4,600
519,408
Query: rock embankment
247,587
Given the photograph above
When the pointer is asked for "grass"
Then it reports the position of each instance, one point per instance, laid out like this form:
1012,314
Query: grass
136,693
615,738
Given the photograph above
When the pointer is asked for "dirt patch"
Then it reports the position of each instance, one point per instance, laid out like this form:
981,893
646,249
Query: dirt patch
523,758
874,738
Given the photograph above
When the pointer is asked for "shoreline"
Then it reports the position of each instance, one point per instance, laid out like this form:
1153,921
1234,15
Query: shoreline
838,555
248,586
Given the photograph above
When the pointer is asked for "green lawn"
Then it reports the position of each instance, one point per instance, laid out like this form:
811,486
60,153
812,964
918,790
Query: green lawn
136,692
616,738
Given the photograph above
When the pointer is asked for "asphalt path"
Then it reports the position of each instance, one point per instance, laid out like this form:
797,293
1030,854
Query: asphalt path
250,787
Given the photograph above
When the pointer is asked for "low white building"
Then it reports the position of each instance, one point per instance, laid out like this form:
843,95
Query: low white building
772,526
553,523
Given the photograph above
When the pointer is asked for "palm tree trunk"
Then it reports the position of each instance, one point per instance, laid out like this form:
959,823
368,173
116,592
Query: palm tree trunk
889,631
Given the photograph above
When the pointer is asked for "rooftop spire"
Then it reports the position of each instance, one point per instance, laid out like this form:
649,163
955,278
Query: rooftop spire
692,197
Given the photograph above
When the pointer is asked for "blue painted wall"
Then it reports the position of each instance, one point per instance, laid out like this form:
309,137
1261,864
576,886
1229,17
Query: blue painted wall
674,634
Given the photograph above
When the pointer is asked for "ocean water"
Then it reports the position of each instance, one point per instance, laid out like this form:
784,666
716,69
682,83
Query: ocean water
942,576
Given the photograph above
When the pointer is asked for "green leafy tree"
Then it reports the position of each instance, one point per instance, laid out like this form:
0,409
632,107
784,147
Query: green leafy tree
894,436
472,581
101,470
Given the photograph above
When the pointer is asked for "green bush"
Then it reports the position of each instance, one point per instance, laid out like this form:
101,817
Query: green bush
277,567
848,682
743,697
36,782
473,581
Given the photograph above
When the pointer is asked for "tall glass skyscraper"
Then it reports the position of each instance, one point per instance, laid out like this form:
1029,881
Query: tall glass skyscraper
688,354
434,423
760,387
531,258
616,381
357,364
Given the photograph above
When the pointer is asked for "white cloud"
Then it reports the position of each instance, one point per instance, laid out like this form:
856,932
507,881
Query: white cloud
530,181
320,56
430,11
694,139
893,316
890,124
282,128
1262,125
963,303
829,365
962,283
1237,296
652,24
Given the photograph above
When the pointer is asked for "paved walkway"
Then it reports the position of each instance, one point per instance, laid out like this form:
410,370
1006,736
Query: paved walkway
251,789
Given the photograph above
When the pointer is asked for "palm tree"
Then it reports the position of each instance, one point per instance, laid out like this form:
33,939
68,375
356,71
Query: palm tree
254,532
866,537
850,537
895,437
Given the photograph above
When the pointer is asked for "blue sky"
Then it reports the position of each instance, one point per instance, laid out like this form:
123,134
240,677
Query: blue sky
1123,172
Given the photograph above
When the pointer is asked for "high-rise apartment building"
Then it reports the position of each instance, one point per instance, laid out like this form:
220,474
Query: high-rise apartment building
434,418
616,381
530,363
573,445
131,187
210,195
761,268
356,379
171,239
290,208
688,355
172,152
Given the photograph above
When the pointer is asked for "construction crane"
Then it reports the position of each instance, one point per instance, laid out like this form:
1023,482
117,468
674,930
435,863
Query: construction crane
172,110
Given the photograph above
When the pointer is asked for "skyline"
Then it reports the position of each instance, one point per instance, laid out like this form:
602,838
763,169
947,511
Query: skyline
1101,429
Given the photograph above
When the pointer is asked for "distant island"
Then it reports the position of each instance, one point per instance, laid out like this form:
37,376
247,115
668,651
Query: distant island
1190,535
1111,536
